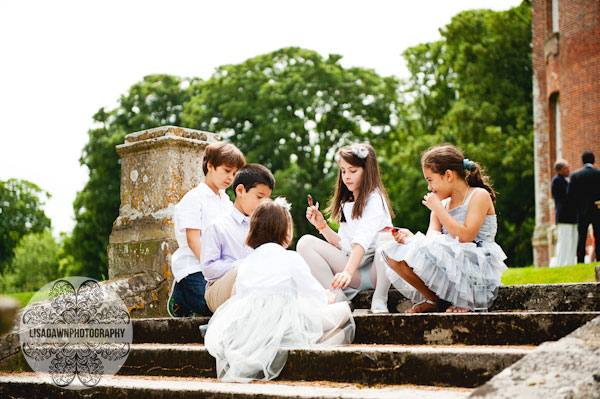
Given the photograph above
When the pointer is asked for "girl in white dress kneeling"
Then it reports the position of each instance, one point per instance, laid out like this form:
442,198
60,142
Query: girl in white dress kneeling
278,305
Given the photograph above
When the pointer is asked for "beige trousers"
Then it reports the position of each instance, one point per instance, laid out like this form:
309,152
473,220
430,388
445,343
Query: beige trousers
220,290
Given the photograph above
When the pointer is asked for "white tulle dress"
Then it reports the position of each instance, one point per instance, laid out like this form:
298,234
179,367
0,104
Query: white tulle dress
278,305
450,267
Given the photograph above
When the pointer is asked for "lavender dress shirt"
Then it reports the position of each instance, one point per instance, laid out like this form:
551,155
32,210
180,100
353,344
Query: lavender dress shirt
224,244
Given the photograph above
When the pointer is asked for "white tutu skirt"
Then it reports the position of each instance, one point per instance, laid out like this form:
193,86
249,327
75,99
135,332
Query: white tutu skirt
448,267
248,335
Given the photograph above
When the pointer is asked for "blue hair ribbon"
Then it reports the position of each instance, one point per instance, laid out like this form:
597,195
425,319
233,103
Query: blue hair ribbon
468,164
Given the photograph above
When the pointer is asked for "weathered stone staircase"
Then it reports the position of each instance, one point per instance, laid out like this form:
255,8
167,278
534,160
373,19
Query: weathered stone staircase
396,355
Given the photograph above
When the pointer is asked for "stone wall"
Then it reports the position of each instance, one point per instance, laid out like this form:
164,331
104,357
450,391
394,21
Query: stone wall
158,166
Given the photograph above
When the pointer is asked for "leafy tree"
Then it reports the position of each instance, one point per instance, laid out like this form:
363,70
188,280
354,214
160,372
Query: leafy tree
473,89
21,213
155,101
35,263
291,110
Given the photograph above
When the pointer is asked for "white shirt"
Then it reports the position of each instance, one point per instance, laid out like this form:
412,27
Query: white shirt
198,209
272,267
363,231
224,244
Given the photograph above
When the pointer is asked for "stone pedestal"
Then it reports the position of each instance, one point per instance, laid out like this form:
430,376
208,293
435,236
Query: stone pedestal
158,166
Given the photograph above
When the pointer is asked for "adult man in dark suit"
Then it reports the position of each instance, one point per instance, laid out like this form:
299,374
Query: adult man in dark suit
565,218
584,191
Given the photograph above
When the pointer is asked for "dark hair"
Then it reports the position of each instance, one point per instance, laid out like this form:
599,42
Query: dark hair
371,181
222,153
441,158
588,157
269,222
559,164
252,175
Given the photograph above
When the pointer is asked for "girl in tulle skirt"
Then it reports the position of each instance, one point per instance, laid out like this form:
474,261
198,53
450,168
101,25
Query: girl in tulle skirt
437,271
278,305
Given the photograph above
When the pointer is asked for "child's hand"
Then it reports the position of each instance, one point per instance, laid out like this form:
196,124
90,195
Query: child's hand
341,280
432,201
330,297
402,235
314,216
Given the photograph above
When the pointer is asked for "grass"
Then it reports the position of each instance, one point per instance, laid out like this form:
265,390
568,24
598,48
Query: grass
580,273
22,297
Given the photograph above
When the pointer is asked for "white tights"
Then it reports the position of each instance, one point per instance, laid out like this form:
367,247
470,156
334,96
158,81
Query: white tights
325,260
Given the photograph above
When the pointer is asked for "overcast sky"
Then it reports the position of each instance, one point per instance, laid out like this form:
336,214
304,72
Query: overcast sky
60,61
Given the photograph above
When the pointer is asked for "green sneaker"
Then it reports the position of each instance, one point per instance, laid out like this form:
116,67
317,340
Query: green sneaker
173,308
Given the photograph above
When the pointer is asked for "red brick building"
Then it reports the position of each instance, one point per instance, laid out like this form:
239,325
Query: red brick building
566,96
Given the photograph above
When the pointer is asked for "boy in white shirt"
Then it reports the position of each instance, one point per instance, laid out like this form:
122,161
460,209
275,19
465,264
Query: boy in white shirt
197,210
224,242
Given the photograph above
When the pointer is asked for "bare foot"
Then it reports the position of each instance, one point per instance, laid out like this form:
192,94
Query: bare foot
456,309
423,307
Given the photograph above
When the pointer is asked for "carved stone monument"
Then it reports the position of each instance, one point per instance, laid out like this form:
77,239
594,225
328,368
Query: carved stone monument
158,166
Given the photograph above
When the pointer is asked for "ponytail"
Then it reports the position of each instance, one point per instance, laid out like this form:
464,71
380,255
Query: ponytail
476,177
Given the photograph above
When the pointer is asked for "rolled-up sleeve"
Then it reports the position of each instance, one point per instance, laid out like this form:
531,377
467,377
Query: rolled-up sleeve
214,265
375,217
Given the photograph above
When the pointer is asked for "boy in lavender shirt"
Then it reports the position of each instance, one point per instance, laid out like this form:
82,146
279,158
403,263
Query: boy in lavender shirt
224,242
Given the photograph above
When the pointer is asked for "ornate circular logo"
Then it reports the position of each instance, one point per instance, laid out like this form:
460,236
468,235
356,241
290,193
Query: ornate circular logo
73,331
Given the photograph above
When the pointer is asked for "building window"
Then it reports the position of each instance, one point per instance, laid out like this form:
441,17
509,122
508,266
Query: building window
554,15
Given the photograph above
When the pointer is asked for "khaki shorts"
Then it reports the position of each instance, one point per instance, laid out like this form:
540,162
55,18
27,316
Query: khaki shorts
220,290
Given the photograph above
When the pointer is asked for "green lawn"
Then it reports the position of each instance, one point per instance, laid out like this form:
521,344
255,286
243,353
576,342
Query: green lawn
25,297
22,297
580,273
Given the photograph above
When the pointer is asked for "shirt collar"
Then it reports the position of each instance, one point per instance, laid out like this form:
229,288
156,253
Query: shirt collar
588,165
238,216
207,190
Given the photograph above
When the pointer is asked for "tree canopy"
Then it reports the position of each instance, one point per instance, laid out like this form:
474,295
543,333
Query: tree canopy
36,263
21,213
291,110
155,101
473,89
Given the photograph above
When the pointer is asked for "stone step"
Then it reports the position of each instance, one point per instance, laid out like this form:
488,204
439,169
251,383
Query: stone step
577,297
452,366
509,328
520,328
28,385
